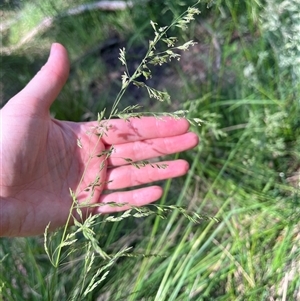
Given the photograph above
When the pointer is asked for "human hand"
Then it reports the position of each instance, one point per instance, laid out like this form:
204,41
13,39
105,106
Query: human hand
41,161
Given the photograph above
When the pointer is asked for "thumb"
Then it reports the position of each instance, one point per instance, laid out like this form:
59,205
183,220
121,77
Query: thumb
42,90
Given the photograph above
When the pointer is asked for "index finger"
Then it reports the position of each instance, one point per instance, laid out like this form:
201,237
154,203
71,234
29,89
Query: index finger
119,131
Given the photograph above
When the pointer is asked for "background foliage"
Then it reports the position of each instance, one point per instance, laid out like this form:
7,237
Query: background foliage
243,80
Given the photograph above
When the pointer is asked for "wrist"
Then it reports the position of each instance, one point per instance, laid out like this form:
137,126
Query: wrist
4,222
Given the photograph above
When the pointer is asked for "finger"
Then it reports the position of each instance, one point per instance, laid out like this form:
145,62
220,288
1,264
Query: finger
142,150
42,90
129,176
137,197
120,131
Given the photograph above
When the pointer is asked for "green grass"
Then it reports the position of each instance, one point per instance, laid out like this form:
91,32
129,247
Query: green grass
241,80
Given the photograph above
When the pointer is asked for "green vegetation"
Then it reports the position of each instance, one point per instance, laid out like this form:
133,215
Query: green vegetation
242,79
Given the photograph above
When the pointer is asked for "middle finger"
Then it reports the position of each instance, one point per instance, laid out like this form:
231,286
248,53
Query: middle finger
151,148
130,176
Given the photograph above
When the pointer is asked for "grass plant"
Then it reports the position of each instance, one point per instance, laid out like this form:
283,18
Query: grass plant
241,79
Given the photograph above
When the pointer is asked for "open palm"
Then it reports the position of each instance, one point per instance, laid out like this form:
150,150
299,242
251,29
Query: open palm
43,158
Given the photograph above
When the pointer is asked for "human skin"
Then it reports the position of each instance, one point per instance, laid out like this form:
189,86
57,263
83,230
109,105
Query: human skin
41,160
